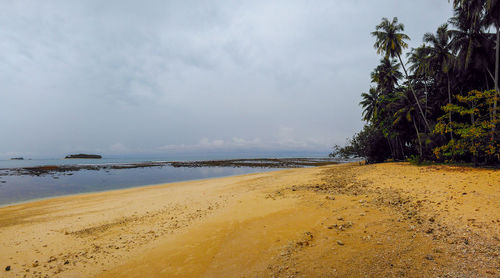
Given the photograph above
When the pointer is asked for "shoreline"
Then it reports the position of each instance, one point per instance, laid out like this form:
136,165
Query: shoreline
27,202
379,220
20,185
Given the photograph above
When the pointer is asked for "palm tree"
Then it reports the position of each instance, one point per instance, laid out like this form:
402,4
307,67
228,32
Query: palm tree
466,38
405,109
493,18
386,75
472,8
390,41
369,104
490,9
440,54
418,59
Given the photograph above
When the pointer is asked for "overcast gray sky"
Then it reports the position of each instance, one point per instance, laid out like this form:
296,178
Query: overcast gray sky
159,77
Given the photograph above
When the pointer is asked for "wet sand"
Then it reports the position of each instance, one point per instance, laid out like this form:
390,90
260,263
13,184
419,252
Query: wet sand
389,220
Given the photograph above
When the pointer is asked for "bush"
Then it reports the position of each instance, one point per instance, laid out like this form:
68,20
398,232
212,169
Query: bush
369,144
473,130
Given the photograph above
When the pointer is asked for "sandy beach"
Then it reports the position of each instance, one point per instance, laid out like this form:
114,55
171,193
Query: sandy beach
349,220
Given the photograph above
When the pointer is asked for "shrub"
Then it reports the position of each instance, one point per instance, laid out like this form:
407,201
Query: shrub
369,144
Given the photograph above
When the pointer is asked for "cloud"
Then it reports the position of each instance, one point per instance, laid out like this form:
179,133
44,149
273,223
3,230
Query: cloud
86,75
119,148
282,142
206,144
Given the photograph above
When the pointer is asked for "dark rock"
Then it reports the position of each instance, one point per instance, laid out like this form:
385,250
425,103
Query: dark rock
85,156
258,163
429,257
17,158
7,268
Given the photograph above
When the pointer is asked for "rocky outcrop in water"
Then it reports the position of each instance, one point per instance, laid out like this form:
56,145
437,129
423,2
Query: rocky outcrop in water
85,156
257,163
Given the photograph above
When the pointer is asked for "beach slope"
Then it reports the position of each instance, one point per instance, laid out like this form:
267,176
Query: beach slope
382,220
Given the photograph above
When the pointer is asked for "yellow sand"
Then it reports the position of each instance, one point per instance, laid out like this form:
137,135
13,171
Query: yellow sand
380,220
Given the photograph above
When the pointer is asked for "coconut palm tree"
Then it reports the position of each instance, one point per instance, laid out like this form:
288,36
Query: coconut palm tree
405,110
390,41
466,38
488,10
472,8
493,18
369,104
386,75
440,54
418,59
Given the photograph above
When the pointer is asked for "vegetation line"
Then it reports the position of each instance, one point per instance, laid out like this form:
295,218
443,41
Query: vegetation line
442,109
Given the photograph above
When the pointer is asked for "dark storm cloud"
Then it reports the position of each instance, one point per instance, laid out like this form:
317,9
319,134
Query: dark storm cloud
161,76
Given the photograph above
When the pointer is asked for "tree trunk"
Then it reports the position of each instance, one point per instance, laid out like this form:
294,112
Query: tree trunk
414,95
402,149
472,118
391,148
418,137
486,81
426,93
490,110
496,80
449,101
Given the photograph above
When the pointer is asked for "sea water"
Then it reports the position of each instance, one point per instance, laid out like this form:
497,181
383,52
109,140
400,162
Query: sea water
21,188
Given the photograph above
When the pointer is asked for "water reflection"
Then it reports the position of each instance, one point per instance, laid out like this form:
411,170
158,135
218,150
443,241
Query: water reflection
15,189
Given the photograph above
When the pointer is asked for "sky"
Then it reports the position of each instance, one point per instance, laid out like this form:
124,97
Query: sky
172,77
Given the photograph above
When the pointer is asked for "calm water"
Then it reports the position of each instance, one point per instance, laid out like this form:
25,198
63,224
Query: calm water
14,189
5,163
41,162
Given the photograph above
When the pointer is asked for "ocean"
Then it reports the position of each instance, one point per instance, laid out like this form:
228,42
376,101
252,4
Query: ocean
15,188
27,162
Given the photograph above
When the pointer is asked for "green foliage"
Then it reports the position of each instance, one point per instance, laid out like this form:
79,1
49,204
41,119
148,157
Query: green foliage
369,144
390,41
428,114
369,104
474,134
418,160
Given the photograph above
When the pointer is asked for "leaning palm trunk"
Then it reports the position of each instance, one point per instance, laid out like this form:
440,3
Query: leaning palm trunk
414,95
418,137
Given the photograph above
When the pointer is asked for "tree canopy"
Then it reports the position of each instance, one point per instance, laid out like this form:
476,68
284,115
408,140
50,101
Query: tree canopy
444,108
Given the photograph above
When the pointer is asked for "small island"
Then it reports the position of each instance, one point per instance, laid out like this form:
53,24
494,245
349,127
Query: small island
84,156
17,158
